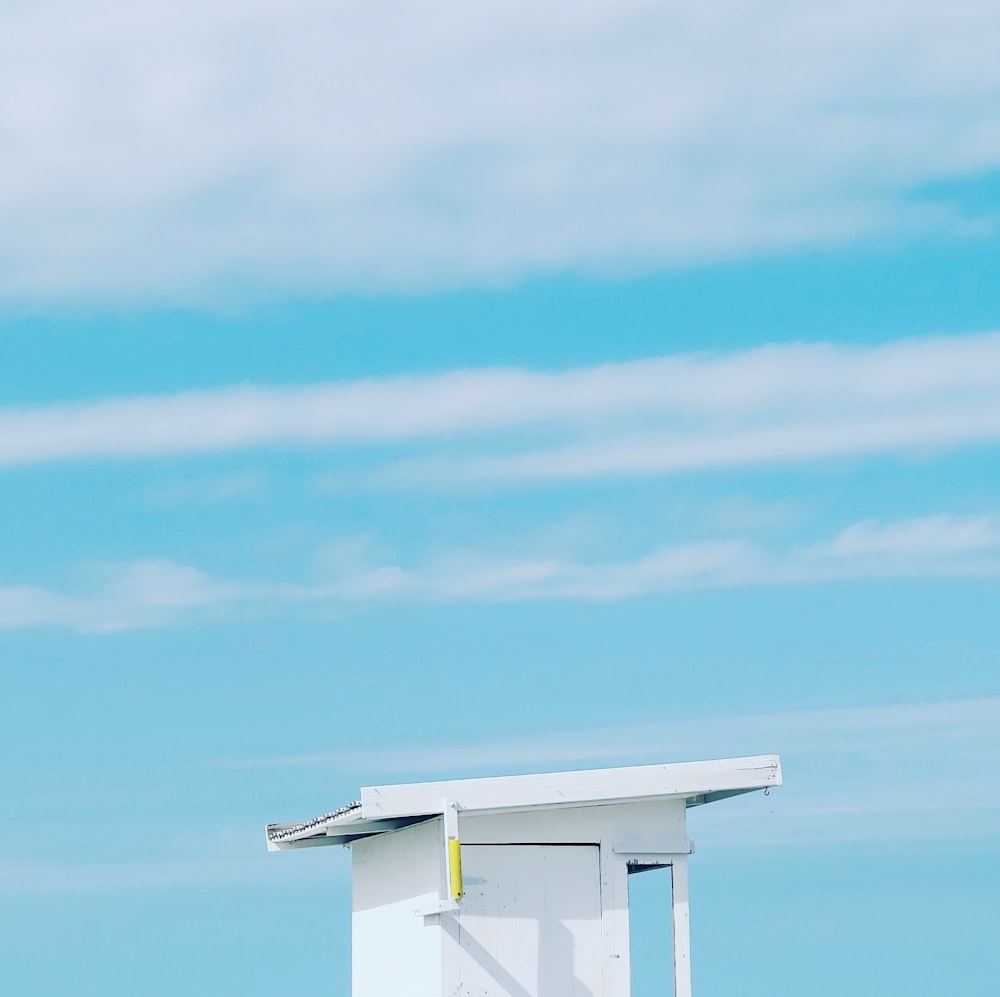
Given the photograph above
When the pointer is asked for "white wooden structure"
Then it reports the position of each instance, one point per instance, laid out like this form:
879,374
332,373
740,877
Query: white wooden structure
534,900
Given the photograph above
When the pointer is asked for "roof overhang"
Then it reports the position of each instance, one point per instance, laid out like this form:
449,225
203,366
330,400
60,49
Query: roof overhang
388,808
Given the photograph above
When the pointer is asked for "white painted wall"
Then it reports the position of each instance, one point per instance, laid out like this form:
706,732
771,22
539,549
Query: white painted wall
529,924
651,821
545,912
395,952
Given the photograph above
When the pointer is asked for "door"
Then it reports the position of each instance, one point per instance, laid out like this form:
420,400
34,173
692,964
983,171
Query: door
529,924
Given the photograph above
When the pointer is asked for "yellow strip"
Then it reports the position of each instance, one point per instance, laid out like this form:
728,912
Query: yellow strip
455,868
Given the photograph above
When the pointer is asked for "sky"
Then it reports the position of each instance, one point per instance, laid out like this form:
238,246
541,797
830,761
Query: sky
415,391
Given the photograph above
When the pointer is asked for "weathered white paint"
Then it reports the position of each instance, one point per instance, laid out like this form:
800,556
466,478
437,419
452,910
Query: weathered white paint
647,844
545,861
614,921
393,951
663,821
687,779
682,927
529,924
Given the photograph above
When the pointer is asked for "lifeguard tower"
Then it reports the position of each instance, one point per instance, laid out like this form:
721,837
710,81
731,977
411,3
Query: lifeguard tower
517,886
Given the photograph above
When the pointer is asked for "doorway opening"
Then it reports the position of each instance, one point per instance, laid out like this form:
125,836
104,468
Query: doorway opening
651,930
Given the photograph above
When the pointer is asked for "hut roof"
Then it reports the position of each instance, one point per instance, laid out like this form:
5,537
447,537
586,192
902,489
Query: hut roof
387,808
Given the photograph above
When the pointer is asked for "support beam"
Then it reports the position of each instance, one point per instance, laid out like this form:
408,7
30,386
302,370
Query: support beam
615,922
682,927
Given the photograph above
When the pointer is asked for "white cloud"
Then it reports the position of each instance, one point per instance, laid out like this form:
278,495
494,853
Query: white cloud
929,537
143,593
32,606
790,403
171,149
929,547
696,448
159,592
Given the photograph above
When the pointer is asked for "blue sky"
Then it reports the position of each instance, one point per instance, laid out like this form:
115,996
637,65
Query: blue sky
427,391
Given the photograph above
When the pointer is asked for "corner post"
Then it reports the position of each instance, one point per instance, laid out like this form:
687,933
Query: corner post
453,851
682,927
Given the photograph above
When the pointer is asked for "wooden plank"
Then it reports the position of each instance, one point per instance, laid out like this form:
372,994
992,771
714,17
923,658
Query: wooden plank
650,845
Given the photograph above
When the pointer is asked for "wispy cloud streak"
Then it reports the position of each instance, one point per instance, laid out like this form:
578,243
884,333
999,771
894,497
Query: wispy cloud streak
159,592
791,403
144,593
469,142
707,447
